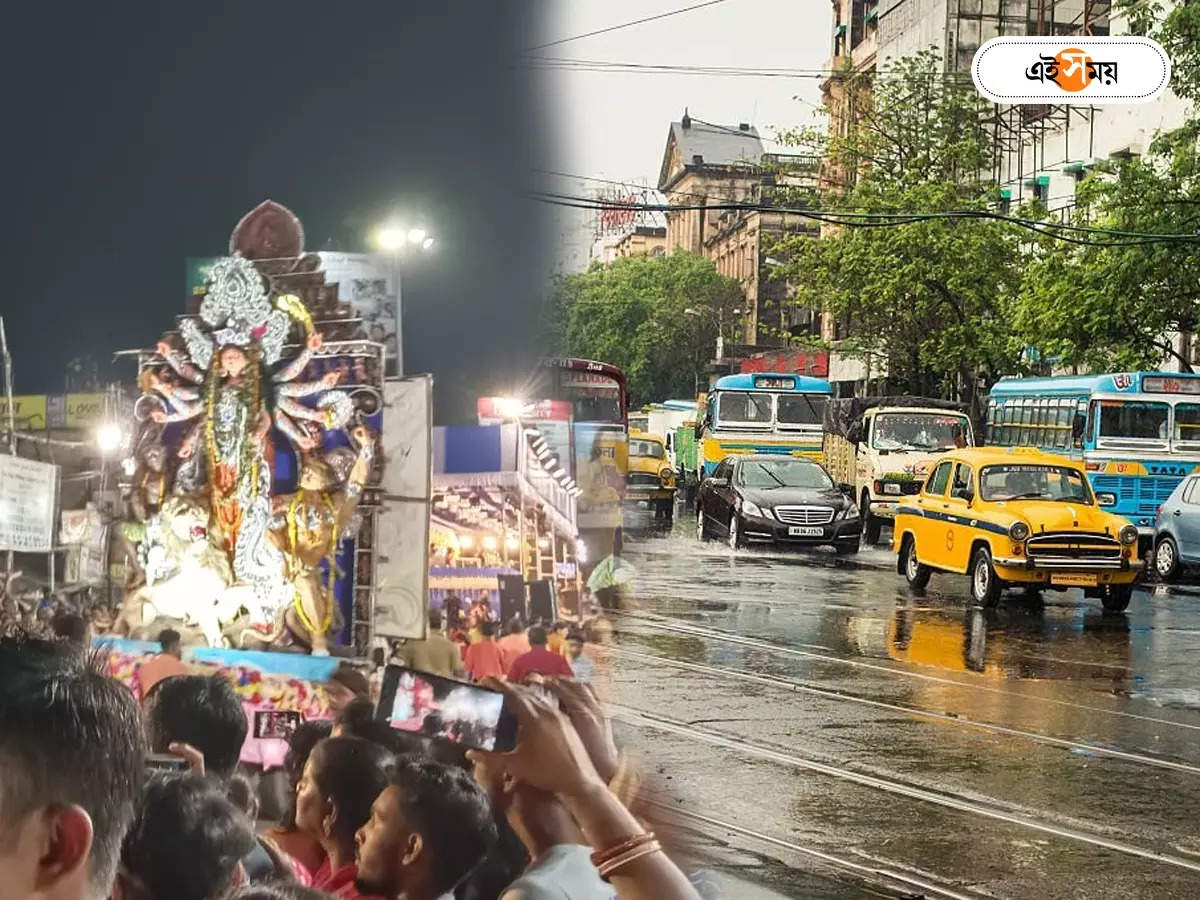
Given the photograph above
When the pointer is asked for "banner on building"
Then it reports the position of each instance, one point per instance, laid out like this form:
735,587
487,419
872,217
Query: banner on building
33,412
402,529
370,283
28,497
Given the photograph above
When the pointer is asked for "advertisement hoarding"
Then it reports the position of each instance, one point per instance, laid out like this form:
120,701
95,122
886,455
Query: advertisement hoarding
402,532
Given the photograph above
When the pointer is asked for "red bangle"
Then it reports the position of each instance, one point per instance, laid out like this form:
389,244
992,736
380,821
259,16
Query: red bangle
600,857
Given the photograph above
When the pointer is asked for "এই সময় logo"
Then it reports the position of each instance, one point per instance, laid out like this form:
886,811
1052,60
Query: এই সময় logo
1072,70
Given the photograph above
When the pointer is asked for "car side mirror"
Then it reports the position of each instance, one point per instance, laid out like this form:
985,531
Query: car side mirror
847,489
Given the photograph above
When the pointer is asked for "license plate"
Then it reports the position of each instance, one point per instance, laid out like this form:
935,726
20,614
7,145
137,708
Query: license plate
1076,580
804,531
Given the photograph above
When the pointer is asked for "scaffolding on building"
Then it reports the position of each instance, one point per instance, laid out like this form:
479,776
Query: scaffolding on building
1021,132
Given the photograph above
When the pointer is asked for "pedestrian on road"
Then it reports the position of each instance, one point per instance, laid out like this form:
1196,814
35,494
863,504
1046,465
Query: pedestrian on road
485,659
435,654
585,669
515,642
539,660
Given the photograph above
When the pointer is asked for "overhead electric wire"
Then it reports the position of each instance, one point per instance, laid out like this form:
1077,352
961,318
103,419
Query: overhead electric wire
610,28
852,219
600,65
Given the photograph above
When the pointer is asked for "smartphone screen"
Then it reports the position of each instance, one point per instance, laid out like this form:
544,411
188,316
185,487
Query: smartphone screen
276,723
436,707
165,762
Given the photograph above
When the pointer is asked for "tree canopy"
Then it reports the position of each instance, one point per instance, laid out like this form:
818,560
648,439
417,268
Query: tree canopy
634,313
928,302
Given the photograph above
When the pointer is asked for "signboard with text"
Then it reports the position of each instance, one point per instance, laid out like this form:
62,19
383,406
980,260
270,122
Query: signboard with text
28,495
39,411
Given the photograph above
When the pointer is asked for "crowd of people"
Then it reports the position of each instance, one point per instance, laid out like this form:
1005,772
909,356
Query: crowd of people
102,799
470,644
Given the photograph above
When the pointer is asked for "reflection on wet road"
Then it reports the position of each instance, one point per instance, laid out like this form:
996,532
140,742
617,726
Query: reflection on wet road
823,716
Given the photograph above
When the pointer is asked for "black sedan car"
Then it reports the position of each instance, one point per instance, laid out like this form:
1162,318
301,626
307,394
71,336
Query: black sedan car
780,499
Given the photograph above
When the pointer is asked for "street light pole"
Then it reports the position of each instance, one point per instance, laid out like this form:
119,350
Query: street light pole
392,240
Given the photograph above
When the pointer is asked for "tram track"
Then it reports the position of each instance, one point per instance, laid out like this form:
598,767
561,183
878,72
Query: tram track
745,747
961,721
668,624
881,874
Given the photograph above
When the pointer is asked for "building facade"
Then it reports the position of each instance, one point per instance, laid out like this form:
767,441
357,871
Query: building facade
708,173
1044,151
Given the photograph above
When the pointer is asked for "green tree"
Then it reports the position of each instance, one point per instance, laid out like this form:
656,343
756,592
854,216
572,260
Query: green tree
927,302
1117,306
634,313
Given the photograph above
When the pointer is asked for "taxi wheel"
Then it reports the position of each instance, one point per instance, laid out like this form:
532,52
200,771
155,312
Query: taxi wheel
985,586
916,574
871,524
1116,597
1166,558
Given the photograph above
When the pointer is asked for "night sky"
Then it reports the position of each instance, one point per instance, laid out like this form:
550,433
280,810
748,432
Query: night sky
137,135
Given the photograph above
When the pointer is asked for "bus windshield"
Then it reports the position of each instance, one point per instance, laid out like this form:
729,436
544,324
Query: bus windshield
1138,420
801,409
1034,482
744,408
593,397
918,431
1187,423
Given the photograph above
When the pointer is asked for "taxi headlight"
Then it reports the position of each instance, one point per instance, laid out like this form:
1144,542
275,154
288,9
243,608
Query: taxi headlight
1018,531
665,476
1129,534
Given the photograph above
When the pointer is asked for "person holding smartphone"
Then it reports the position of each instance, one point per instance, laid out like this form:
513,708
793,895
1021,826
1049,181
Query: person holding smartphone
551,757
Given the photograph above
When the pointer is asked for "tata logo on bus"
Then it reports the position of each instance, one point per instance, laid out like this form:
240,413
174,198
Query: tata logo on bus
1123,381
1088,70
1167,469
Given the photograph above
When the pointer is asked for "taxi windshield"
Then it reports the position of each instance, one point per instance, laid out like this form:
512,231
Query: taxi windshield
652,449
1033,482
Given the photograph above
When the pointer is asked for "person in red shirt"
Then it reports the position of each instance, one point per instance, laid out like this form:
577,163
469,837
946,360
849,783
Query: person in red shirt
485,659
514,643
341,780
539,660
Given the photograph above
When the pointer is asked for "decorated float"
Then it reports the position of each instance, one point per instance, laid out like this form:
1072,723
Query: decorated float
254,493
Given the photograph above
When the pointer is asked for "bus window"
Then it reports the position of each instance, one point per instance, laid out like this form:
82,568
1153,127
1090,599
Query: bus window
800,409
1009,432
1063,423
1187,422
1026,433
744,408
1133,419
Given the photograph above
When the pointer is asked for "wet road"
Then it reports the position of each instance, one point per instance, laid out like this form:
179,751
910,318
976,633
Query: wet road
822,732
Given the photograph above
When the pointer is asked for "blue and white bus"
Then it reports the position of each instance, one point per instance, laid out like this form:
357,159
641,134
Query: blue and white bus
761,412
1138,433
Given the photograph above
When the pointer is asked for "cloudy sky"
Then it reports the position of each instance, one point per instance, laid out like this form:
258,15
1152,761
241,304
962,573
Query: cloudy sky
614,125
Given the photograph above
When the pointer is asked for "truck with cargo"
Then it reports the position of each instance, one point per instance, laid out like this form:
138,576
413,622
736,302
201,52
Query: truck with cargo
885,446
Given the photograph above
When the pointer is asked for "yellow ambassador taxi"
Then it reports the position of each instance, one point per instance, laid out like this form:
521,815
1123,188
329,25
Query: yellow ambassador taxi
1015,516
